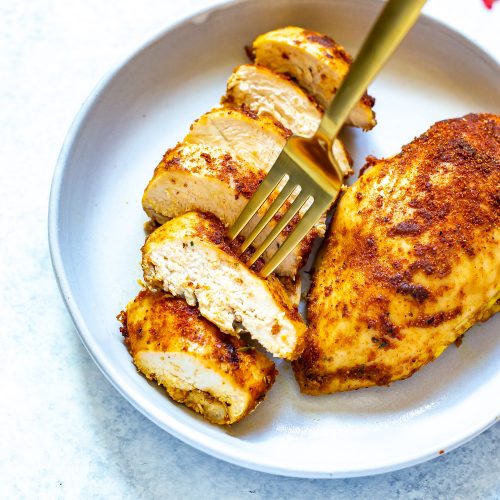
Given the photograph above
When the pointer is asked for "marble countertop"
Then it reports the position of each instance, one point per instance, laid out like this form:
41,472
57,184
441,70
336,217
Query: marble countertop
64,431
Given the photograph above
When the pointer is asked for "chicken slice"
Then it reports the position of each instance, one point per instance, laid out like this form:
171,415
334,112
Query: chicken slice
189,257
293,288
268,93
212,373
316,62
200,177
208,179
412,260
245,135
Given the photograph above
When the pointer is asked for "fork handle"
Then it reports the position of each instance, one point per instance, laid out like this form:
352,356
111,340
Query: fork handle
386,34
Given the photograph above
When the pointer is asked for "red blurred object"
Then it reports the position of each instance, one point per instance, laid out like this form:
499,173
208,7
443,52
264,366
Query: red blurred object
489,3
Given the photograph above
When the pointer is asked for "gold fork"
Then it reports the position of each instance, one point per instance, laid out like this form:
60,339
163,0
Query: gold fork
309,164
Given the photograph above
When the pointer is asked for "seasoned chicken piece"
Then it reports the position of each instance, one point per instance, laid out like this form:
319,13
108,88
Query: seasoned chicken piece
412,261
293,288
255,139
200,177
267,93
208,179
189,257
316,62
212,373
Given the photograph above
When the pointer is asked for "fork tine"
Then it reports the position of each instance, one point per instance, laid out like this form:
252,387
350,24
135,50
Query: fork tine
302,197
306,223
267,186
285,192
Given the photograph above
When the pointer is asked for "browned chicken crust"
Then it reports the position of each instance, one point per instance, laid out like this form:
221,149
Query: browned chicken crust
226,380
412,260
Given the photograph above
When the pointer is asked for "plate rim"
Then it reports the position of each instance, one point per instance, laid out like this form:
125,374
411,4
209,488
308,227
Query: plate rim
177,427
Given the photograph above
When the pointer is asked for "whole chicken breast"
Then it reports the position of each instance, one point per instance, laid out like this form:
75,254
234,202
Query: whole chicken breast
267,93
212,373
199,177
316,62
189,257
412,260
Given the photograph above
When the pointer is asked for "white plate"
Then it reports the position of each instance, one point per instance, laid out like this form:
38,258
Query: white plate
96,220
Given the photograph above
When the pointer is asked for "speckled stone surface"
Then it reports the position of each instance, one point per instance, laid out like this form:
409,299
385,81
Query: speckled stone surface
64,431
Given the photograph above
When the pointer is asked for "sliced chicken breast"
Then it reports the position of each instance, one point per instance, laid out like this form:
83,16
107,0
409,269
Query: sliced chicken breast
208,179
212,373
267,93
316,62
189,257
200,177
245,135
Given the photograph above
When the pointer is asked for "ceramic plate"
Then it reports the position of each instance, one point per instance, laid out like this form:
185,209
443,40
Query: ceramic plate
96,231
